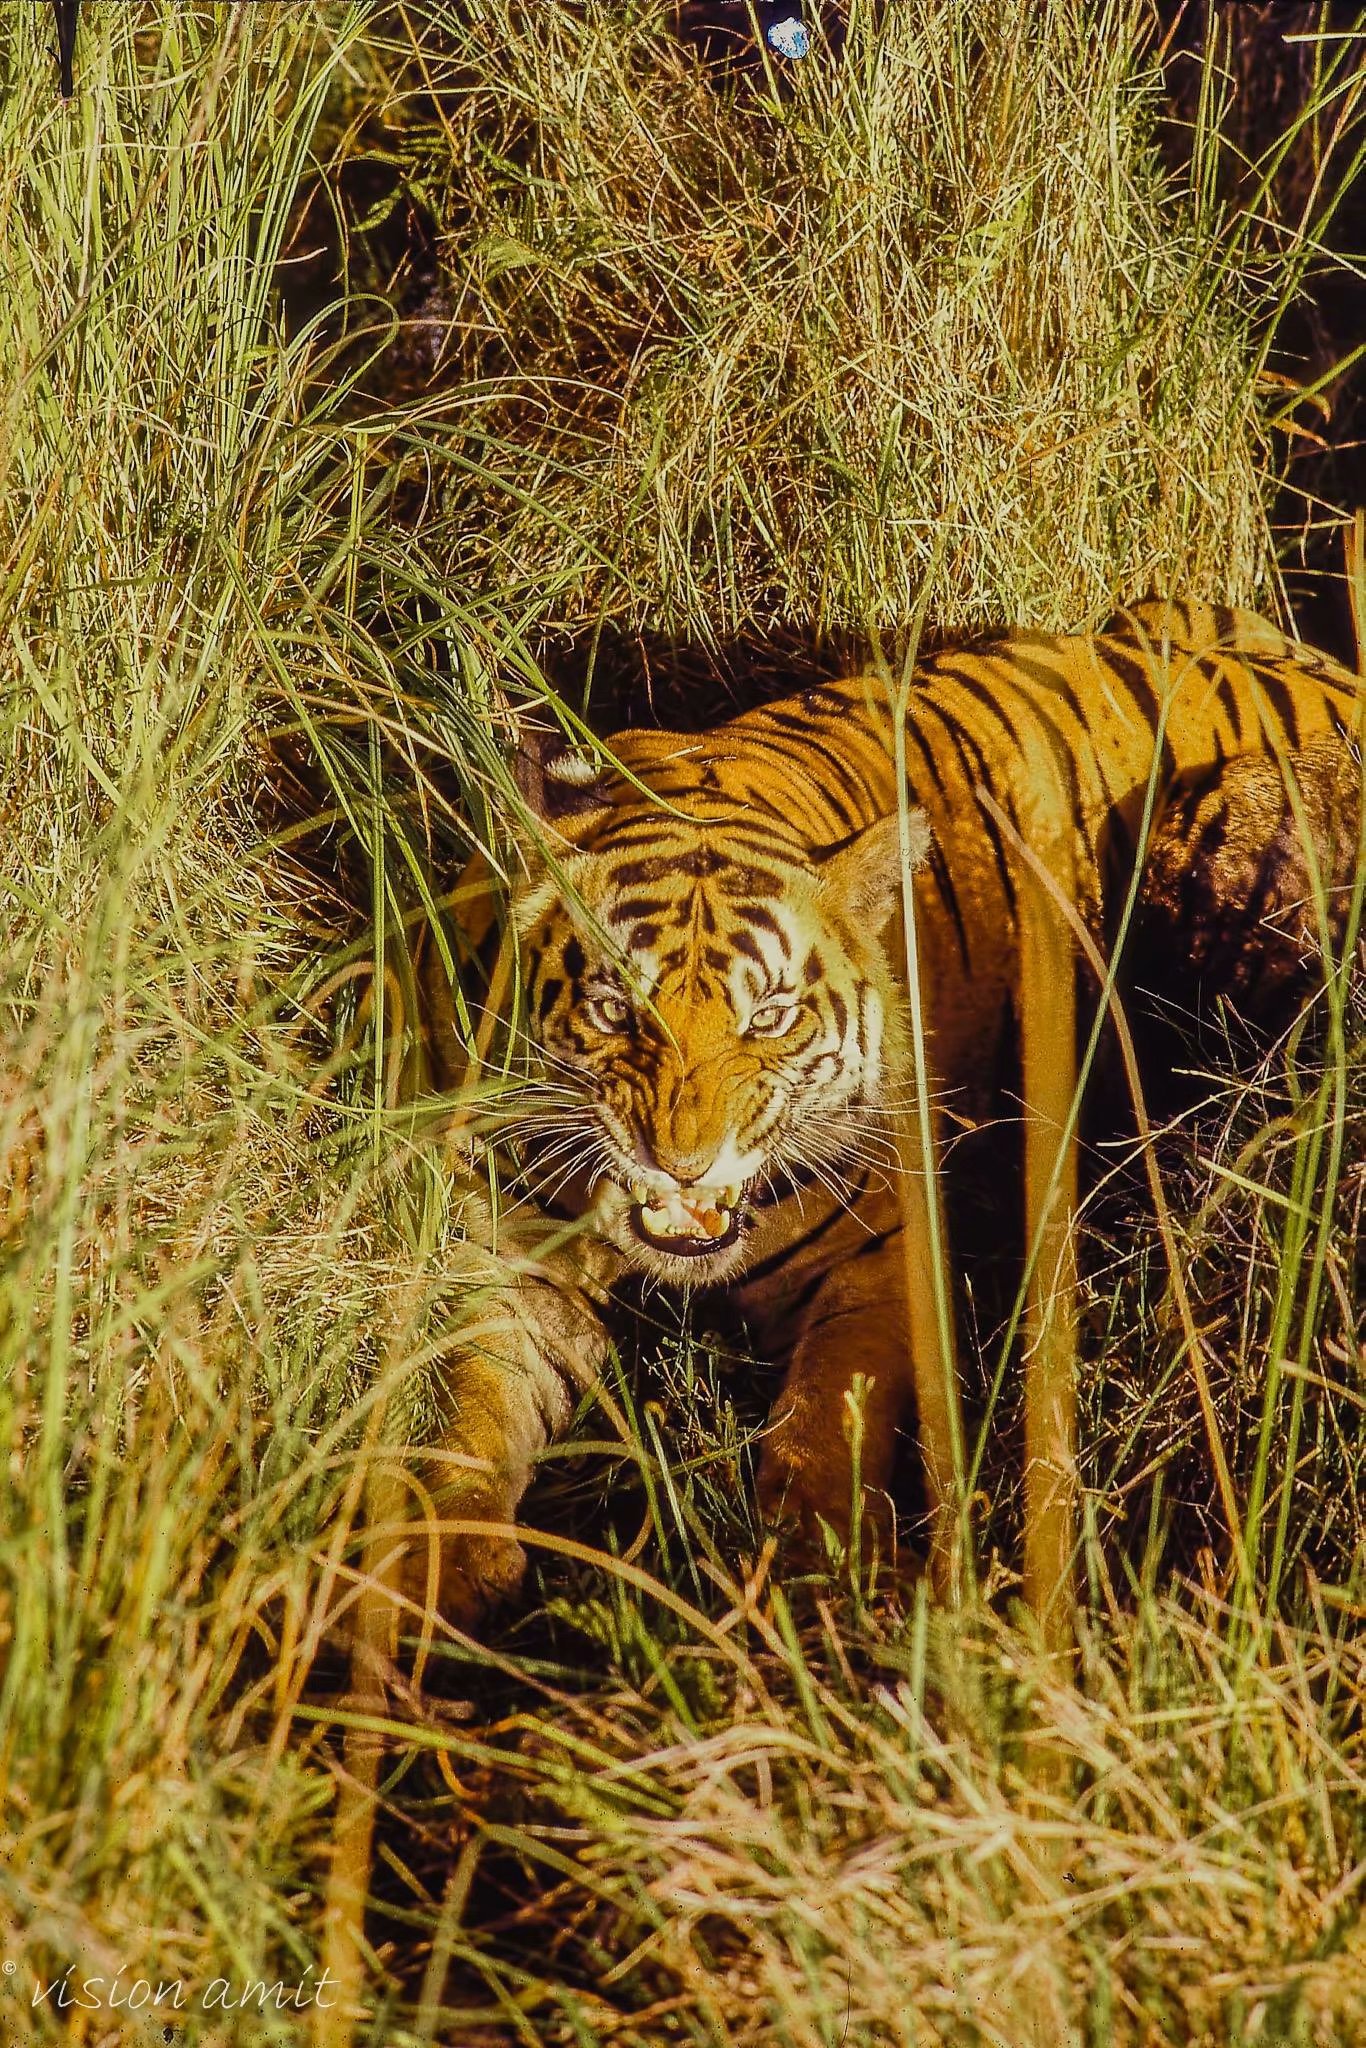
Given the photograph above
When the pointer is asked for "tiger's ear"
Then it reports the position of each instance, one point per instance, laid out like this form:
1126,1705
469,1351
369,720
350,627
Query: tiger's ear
864,876
566,788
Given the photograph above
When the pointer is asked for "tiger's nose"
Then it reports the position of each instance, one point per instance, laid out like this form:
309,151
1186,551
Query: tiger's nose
687,1168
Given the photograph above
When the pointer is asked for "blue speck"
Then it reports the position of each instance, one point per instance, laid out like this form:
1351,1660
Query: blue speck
789,37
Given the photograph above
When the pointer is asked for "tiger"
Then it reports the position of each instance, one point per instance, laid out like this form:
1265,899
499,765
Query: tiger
740,950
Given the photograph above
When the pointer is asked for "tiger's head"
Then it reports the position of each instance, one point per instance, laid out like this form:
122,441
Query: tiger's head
713,1003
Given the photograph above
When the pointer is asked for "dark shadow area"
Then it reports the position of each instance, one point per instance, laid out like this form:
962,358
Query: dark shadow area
621,678
722,34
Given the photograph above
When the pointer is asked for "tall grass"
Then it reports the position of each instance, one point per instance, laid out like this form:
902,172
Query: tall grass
720,369
759,359
209,1263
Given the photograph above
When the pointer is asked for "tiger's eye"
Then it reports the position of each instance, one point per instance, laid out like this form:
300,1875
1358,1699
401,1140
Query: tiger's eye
610,1011
774,1018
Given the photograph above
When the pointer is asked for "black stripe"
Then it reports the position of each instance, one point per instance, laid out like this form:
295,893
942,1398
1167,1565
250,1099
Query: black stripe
1137,679
634,874
757,800
874,1244
927,756
777,1260
782,717
1282,697
736,882
736,839
756,914
702,863
943,882
938,865
964,742
812,1289
1064,748
796,1306
1228,698
1224,620
1055,680
812,1054
631,908
804,747
970,682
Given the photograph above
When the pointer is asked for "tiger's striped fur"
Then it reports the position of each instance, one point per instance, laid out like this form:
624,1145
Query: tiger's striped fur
719,992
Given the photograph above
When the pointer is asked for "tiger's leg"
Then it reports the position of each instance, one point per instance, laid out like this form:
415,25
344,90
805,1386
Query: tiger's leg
1047,1010
853,1327
511,1392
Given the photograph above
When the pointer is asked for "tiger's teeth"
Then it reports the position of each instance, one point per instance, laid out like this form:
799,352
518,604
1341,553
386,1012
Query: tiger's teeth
657,1220
639,1192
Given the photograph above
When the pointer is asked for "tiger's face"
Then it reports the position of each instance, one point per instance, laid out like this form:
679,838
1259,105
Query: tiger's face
714,1026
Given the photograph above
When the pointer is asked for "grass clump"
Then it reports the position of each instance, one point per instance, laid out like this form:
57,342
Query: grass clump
753,358
859,1852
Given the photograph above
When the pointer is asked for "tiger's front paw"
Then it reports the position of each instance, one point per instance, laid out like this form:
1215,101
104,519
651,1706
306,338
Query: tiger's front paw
811,1509
805,1504
461,1578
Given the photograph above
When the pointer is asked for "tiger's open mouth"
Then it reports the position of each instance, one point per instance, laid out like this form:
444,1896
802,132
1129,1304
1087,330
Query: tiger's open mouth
688,1223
